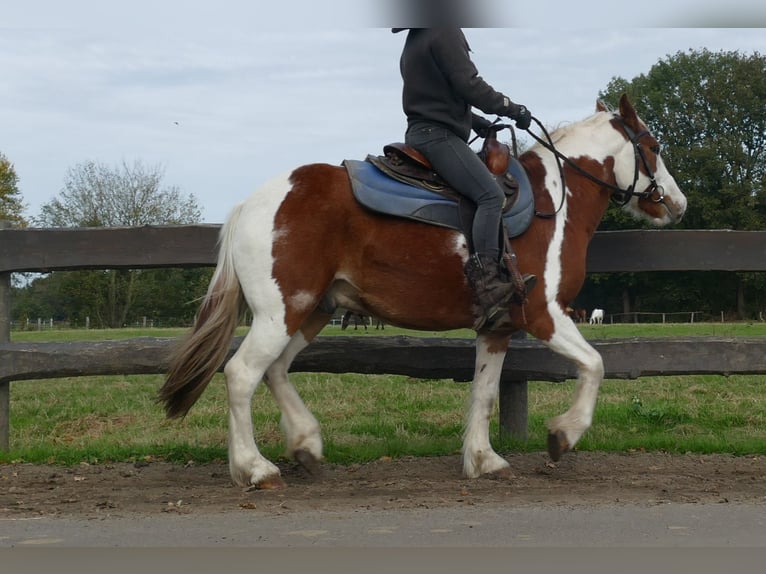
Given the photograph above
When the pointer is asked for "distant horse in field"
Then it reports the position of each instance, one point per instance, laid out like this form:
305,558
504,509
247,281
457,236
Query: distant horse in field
597,317
355,318
302,246
577,315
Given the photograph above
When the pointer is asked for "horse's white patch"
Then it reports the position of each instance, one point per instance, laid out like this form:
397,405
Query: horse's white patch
553,255
302,300
460,246
252,249
596,142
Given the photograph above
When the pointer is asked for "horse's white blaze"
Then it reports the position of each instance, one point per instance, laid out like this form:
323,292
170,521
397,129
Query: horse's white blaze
674,202
673,193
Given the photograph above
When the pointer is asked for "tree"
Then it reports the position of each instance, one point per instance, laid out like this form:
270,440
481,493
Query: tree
96,195
11,206
708,110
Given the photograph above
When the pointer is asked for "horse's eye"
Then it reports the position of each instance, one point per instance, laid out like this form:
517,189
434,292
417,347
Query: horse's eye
655,149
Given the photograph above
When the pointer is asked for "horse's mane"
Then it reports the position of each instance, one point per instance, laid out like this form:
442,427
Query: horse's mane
563,129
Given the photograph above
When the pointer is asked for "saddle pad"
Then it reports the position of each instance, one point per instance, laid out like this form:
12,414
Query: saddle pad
377,191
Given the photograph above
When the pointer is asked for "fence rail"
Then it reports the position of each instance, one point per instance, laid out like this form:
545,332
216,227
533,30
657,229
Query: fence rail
42,250
36,249
424,358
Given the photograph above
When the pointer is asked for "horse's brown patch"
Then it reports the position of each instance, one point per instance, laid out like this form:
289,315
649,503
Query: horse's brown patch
404,272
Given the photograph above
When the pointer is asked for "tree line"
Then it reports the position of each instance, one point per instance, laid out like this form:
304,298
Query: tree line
707,109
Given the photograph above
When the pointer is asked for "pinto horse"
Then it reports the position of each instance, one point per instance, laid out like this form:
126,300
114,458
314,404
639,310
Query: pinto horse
302,246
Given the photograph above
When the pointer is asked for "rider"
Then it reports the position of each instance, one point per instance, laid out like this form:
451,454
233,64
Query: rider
441,85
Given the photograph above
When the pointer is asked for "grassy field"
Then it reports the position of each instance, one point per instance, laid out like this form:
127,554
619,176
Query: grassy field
365,417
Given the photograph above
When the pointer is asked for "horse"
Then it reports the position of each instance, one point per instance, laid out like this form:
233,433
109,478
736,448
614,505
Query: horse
597,317
577,315
357,319
301,246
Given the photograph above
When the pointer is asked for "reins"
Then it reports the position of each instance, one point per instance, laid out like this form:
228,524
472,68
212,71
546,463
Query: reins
619,195
559,156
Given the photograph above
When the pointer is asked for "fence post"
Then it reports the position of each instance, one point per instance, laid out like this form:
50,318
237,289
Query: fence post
5,337
513,404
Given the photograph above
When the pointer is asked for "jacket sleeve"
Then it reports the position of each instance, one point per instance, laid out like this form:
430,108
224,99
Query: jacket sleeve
451,53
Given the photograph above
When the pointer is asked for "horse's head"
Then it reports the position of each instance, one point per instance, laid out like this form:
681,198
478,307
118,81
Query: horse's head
646,188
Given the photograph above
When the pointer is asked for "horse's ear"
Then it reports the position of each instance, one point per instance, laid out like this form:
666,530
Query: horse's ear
601,106
627,111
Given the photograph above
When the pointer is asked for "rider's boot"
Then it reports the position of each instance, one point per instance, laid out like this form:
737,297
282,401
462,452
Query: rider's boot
493,291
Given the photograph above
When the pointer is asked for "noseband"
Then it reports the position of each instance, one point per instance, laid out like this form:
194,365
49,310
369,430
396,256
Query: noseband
653,192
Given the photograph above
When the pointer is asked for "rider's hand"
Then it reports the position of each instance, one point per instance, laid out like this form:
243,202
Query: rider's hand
481,126
522,116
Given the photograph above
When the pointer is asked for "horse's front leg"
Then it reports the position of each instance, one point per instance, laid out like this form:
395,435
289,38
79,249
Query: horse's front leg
566,429
478,456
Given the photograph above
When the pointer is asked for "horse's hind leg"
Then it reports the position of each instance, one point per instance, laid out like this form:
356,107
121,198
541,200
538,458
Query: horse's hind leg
304,441
243,373
479,458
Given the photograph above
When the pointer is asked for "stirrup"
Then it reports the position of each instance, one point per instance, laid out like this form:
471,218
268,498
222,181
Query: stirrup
522,284
529,283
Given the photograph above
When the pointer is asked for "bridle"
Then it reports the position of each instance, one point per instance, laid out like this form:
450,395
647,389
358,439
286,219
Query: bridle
653,192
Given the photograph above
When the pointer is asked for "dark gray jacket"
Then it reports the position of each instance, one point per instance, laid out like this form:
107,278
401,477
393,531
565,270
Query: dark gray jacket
442,84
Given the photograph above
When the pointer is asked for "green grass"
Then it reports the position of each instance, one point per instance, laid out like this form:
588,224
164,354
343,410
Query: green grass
364,417
606,331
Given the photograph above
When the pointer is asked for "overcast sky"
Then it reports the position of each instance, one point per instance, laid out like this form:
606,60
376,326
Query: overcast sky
227,95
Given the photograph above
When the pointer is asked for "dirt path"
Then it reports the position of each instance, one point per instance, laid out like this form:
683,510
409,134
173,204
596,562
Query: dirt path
148,488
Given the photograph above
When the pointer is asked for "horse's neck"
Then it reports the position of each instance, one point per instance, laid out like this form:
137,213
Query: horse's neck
591,144
586,201
586,209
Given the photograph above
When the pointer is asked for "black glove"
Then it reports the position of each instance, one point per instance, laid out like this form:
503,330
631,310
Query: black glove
522,116
480,125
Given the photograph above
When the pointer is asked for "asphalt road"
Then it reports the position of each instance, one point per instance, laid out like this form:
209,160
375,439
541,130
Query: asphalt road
611,526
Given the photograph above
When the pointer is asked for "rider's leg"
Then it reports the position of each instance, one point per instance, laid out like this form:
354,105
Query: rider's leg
459,165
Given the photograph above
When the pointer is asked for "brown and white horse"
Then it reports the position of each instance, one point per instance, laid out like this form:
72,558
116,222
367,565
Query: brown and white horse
301,246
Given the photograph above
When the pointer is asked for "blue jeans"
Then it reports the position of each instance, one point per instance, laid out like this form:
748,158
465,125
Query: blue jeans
461,168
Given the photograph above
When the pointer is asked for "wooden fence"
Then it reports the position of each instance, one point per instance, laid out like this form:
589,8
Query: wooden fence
42,250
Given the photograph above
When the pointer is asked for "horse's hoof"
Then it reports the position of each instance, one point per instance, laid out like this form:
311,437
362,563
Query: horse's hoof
308,461
274,482
557,445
